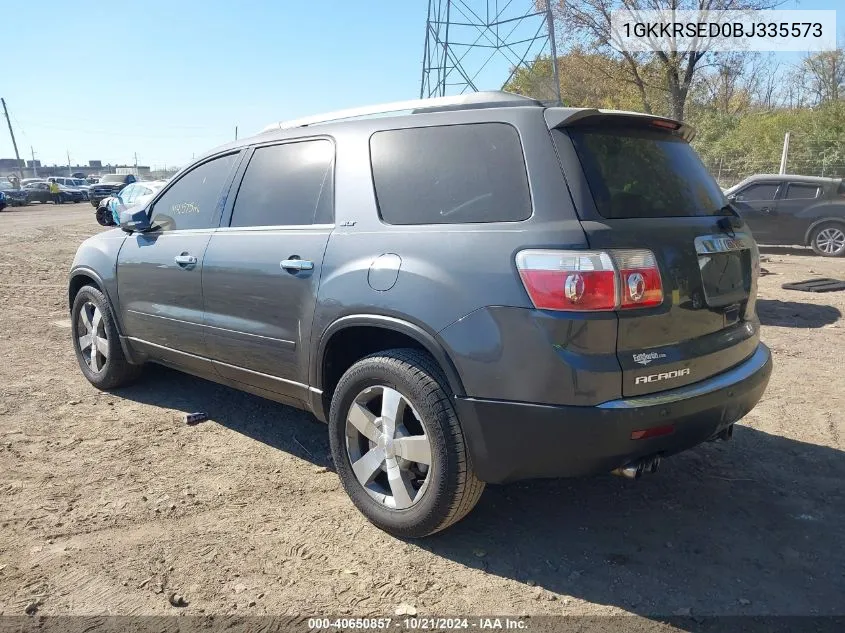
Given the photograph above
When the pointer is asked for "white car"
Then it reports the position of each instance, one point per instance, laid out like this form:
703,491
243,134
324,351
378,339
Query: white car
135,194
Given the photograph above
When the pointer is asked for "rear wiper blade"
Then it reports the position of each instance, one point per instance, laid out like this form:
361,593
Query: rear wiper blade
728,208
729,223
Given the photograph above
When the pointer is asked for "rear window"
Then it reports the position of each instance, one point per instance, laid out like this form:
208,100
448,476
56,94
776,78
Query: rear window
450,174
645,174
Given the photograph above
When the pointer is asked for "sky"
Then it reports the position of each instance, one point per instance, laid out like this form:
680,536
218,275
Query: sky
106,80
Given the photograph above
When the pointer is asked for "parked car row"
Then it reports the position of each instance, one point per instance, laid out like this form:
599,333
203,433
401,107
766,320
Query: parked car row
39,191
12,197
73,183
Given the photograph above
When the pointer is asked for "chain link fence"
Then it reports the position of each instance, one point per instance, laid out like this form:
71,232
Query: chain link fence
806,157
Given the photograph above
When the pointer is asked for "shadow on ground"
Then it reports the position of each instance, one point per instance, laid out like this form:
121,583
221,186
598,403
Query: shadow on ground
751,526
795,313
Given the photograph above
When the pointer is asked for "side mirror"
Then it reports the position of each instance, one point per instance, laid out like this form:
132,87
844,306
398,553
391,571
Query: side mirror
135,221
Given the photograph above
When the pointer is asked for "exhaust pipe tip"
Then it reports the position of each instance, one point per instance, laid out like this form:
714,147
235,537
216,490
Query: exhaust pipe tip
632,471
635,470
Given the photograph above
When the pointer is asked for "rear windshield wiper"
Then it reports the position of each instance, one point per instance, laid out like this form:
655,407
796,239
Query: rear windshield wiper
731,222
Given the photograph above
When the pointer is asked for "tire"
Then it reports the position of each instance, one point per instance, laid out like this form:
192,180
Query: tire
104,217
449,489
828,239
105,371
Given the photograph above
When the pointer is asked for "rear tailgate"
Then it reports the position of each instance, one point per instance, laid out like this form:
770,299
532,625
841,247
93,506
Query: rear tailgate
637,184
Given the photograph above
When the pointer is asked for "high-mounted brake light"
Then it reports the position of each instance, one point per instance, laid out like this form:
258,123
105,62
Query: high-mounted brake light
590,280
669,125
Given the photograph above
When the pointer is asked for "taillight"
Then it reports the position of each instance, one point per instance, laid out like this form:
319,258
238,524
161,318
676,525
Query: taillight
590,280
639,278
568,280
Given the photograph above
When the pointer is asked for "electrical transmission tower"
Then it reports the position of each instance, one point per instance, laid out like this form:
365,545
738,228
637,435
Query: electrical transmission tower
474,45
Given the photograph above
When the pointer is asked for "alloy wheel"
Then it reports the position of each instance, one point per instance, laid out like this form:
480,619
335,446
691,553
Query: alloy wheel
831,240
92,336
388,448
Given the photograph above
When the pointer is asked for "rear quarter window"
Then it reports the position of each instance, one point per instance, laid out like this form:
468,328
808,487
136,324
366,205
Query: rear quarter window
801,192
450,174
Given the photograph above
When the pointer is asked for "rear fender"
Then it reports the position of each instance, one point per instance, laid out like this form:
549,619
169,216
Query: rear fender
836,214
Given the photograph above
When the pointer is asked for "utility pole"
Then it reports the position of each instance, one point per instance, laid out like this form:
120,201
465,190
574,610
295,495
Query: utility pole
68,162
34,168
550,25
12,134
236,132
136,164
785,153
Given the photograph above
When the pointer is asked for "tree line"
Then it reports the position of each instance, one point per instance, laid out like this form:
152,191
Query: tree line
741,103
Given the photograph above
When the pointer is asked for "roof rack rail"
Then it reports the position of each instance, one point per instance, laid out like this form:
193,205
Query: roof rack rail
488,99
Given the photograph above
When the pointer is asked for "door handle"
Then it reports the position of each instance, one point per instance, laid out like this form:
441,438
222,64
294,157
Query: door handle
765,210
185,260
296,264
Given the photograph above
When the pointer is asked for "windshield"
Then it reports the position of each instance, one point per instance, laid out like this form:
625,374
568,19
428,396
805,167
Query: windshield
5,186
634,173
112,178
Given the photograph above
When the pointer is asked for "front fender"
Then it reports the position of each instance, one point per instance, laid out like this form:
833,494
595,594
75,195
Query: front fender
96,258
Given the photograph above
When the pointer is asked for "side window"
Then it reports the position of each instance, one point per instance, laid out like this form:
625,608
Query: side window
288,184
450,174
801,192
192,202
763,191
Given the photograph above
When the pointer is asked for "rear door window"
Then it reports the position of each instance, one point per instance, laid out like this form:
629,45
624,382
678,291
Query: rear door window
287,185
642,173
450,174
801,192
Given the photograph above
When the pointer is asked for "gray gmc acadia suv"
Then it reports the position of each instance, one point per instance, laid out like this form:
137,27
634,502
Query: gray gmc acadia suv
482,289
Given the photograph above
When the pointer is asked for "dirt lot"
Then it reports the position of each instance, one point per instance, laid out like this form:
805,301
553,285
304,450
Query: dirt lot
108,504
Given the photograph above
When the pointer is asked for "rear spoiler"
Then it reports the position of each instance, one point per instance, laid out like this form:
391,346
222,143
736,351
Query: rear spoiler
568,117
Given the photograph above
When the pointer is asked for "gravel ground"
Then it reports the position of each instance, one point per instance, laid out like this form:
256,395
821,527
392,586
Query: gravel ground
110,505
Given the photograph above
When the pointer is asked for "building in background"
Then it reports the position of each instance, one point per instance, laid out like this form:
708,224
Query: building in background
34,168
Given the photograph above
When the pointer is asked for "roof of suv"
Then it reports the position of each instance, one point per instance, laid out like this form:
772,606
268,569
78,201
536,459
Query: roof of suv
821,180
400,113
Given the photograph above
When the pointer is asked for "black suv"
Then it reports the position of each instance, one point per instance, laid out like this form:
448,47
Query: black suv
109,185
482,290
786,210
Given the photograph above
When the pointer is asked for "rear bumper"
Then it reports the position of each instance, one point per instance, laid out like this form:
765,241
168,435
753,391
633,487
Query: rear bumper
509,441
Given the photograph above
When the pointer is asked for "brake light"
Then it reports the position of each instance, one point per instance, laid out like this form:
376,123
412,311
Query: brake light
669,125
640,278
590,280
568,280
